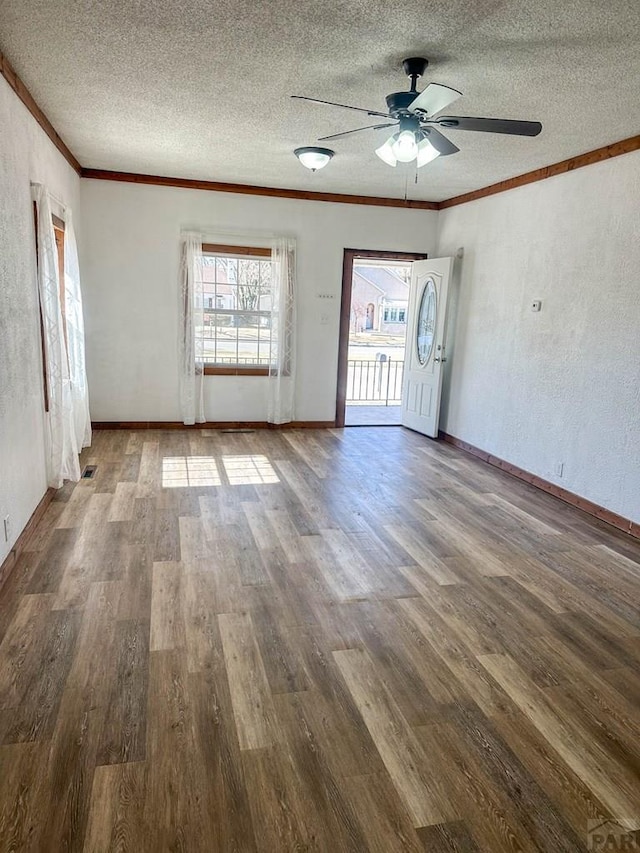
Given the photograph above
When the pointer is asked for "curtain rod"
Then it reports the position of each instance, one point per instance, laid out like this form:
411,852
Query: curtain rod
62,204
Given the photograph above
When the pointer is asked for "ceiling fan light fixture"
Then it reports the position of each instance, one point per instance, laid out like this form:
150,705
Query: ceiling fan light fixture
426,153
386,153
405,146
417,115
313,157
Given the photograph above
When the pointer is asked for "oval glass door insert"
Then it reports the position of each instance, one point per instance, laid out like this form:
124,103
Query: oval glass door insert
426,325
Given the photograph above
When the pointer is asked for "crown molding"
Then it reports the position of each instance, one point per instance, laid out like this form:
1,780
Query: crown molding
7,71
598,155
249,189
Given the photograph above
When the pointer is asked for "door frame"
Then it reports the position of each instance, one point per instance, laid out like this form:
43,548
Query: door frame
350,255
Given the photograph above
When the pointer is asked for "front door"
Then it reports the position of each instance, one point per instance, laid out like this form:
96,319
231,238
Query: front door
425,349
370,310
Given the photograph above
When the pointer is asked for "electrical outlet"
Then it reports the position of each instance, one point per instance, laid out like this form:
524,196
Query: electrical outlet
559,469
7,528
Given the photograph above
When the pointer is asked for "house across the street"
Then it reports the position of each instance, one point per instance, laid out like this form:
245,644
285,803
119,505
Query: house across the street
379,300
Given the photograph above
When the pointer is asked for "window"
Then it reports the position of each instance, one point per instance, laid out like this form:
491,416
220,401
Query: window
394,315
236,330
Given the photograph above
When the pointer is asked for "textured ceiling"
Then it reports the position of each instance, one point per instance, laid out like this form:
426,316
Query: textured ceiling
199,89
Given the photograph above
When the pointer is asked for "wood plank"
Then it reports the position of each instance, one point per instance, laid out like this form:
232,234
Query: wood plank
616,786
534,814
453,837
250,695
468,676
428,561
33,679
175,811
167,621
403,757
223,784
385,822
116,813
123,735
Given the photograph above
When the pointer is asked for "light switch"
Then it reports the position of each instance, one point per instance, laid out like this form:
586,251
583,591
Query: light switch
536,305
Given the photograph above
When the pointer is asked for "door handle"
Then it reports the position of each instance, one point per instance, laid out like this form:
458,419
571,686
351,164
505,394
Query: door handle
438,360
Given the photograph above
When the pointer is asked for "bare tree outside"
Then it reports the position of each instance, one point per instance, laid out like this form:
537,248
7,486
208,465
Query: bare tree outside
248,272
358,315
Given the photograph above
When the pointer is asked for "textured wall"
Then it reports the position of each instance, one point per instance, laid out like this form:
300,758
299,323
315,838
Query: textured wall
26,154
562,385
129,259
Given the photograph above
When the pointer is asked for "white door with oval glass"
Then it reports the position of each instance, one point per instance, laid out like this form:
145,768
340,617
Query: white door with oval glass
425,348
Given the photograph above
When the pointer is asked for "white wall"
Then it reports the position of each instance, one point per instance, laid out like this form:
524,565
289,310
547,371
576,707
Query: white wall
562,385
26,154
129,259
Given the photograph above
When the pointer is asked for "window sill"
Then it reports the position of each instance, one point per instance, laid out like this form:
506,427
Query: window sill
219,370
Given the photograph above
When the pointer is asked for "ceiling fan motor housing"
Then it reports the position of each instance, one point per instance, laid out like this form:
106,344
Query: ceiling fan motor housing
398,103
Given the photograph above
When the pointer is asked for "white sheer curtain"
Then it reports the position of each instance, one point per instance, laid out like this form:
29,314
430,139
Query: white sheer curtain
190,345
75,336
282,371
61,445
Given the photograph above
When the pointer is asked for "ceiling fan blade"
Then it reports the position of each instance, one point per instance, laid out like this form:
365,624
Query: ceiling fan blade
344,106
357,130
490,125
440,143
434,98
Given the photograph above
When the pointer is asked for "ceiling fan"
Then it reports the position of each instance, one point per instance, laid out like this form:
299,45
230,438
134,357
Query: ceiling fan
416,116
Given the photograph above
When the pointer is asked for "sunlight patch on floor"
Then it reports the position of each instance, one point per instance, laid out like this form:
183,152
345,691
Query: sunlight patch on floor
181,472
249,470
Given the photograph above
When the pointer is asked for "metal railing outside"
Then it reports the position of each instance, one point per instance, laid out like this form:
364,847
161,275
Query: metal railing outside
376,382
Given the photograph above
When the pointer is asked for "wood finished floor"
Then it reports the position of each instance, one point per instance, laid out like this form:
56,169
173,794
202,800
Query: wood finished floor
315,640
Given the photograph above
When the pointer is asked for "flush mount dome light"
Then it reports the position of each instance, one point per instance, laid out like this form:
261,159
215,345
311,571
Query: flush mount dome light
314,158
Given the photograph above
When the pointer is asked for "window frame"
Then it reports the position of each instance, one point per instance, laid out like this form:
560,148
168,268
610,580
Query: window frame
219,250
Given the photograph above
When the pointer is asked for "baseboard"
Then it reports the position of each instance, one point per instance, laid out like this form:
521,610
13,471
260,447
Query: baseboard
600,512
211,425
23,540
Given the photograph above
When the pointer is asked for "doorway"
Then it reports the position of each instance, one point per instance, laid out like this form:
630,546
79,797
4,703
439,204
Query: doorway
373,322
